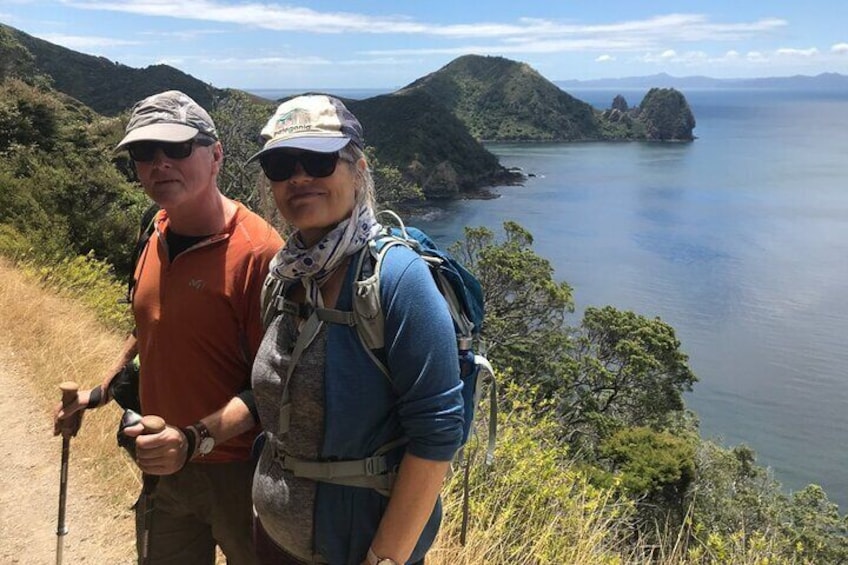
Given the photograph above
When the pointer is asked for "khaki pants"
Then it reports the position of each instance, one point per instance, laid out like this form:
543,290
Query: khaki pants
201,506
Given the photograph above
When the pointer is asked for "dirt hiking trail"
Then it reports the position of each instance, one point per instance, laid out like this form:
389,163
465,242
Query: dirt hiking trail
30,460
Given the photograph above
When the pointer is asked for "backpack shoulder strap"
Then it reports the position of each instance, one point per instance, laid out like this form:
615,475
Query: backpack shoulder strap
366,313
146,227
367,307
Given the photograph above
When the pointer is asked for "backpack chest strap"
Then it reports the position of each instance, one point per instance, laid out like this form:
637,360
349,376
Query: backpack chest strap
301,310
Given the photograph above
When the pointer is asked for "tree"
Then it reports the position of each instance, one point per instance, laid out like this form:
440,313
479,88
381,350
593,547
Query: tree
525,307
59,190
629,371
616,370
818,532
392,189
654,468
239,119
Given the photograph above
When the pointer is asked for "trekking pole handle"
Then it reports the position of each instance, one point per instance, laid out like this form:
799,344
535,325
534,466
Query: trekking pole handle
152,424
69,392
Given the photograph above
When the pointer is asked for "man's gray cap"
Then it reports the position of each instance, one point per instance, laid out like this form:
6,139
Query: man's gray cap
169,116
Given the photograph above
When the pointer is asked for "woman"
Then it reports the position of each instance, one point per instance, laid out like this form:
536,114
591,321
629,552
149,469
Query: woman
337,408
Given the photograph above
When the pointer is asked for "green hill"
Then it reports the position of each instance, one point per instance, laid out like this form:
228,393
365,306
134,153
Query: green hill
503,100
433,148
500,99
107,87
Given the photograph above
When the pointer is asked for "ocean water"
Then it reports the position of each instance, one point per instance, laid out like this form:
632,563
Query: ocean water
739,240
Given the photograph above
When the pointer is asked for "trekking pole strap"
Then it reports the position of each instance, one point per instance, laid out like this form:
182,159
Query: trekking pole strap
487,371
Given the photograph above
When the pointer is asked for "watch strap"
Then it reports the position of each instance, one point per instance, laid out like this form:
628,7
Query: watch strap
202,435
190,434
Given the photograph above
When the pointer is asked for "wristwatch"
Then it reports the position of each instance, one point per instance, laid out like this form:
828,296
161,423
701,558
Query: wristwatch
205,441
372,559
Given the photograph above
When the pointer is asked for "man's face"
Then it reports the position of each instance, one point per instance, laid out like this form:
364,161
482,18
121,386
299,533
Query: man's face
172,179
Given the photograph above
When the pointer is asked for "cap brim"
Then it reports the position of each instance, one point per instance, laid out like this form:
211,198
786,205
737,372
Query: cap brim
171,133
316,144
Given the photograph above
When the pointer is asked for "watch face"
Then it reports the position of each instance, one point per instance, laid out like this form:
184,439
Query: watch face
206,446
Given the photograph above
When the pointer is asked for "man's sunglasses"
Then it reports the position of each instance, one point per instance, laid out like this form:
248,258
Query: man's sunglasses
145,151
280,166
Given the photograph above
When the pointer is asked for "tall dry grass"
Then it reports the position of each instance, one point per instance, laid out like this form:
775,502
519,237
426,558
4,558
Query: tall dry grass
56,339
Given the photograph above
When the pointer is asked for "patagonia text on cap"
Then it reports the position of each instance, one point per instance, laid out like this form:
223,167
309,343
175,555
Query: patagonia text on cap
314,122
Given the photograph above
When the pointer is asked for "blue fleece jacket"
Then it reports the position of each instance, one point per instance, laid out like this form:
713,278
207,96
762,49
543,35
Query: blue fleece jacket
364,410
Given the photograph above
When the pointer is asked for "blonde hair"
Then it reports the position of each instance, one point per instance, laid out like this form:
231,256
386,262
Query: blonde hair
363,180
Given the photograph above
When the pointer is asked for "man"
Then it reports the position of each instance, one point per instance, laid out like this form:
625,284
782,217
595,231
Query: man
196,307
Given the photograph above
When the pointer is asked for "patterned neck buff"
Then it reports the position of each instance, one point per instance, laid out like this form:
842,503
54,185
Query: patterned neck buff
312,266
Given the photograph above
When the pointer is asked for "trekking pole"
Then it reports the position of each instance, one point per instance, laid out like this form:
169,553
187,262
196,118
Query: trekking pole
152,425
69,395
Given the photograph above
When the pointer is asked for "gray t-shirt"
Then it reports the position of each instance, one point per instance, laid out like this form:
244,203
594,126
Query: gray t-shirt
286,504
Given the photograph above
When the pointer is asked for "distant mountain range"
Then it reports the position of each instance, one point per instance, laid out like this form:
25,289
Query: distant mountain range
823,81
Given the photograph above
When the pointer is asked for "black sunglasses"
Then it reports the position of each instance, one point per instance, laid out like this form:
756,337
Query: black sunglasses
144,151
280,166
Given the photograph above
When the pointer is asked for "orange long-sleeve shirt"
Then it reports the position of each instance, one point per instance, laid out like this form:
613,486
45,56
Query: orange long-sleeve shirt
199,324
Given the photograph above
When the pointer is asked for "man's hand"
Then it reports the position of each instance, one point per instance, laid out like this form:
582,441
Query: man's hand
68,419
162,453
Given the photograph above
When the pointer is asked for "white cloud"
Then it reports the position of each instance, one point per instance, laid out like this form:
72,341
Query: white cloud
756,57
788,52
672,56
632,35
605,59
293,62
77,42
839,48
384,61
264,62
184,35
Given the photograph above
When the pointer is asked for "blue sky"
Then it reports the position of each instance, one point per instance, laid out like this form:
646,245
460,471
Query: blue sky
387,44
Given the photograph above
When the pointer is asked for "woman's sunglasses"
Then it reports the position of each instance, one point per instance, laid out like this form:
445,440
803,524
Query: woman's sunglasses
145,151
280,166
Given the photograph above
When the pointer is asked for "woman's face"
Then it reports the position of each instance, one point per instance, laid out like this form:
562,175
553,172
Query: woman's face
315,204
